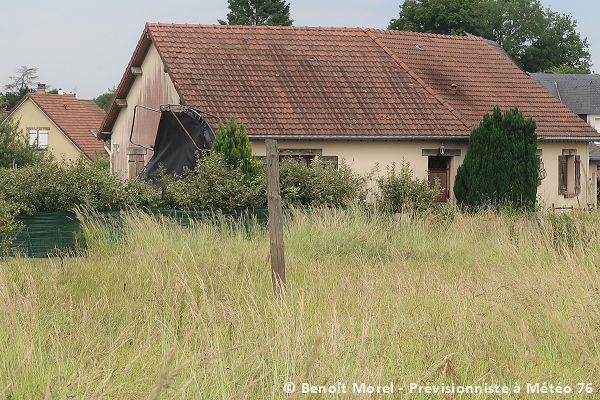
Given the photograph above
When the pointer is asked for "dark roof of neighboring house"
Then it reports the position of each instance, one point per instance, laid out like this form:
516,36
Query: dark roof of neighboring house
579,92
594,150
346,82
496,46
74,117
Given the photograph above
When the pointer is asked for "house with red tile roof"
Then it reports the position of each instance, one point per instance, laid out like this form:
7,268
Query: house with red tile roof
367,96
61,124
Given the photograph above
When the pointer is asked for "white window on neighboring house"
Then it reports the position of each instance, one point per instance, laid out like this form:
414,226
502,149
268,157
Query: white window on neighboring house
569,174
38,138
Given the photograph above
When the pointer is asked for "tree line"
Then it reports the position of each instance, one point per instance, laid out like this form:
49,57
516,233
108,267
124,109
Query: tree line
537,38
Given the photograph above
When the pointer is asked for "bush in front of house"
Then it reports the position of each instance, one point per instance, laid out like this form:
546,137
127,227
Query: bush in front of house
501,167
232,143
14,146
321,184
68,184
212,184
401,192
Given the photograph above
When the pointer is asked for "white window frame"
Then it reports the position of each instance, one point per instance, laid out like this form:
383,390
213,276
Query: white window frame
38,138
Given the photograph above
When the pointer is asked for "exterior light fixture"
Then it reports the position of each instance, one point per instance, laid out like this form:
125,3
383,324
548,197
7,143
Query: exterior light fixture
442,149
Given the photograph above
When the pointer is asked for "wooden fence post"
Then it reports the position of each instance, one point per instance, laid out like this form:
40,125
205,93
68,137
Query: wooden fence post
275,220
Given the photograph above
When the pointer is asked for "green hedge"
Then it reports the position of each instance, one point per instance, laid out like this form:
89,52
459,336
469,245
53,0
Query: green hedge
211,185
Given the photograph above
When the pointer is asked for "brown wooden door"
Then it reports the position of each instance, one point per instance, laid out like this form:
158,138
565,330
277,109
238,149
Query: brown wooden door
439,167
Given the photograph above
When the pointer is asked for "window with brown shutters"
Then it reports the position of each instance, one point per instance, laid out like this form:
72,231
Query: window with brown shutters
569,173
577,174
562,174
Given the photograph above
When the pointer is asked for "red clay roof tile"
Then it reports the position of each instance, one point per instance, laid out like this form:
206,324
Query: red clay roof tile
484,78
311,81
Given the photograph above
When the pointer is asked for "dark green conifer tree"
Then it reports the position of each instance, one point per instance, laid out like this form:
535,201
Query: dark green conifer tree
500,167
235,147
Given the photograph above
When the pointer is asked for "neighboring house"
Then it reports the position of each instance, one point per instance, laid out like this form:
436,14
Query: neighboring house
581,93
363,95
61,124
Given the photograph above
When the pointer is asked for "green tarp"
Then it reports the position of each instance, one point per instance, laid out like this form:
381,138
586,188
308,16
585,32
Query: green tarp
55,233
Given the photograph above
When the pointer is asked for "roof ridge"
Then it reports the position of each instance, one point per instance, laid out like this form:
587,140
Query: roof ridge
255,27
411,33
413,75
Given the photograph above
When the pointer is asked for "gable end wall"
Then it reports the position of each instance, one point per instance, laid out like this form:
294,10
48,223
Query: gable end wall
151,89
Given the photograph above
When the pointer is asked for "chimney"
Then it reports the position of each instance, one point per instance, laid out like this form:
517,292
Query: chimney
41,88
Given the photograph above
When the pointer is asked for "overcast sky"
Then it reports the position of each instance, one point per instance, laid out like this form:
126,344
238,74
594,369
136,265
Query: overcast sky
85,46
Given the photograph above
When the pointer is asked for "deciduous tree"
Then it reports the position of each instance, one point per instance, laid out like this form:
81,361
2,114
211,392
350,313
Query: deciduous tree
258,12
449,17
536,38
105,99
25,77
14,146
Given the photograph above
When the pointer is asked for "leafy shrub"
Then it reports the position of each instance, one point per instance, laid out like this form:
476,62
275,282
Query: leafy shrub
65,185
14,146
399,191
9,228
212,184
319,185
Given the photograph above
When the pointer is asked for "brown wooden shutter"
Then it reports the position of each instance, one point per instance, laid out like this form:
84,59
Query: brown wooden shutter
577,174
562,174
136,165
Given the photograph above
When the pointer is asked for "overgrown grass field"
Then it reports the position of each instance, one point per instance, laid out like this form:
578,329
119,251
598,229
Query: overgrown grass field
159,311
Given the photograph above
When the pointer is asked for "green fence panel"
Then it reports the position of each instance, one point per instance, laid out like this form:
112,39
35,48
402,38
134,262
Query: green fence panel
55,233
46,233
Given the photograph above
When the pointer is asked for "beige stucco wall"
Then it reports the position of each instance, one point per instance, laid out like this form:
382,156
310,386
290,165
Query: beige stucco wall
151,89
548,190
32,117
363,156
594,121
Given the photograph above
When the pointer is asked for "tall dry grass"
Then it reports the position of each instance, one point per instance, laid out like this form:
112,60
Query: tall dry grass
155,310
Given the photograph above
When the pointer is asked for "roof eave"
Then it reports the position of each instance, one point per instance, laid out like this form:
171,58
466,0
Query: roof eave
128,78
359,138
569,138
125,84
